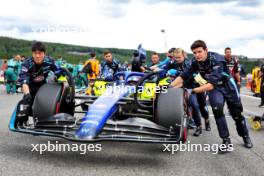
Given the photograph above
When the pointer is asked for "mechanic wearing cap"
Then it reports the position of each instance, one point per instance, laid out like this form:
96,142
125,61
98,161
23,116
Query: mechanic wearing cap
109,67
33,75
216,79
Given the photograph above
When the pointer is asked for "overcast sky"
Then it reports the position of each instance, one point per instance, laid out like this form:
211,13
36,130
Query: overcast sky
126,23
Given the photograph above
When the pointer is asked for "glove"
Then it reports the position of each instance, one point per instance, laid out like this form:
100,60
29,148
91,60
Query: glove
199,79
27,99
62,79
23,111
172,72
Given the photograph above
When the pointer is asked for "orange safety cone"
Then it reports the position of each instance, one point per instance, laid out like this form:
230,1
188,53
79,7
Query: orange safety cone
249,82
248,85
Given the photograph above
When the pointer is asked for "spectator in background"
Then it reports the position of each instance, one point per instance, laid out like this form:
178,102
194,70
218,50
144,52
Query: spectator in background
4,65
3,69
91,70
81,79
19,63
11,74
256,80
232,64
91,67
262,85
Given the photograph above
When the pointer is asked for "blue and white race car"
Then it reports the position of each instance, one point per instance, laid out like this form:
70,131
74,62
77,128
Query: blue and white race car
119,114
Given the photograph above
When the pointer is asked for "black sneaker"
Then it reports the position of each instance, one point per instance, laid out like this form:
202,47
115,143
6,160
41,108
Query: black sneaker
225,146
198,131
191,124
207,125
20,120
247,142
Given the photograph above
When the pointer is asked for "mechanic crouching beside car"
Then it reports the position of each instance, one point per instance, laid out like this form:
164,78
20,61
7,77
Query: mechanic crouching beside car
33,75
221,87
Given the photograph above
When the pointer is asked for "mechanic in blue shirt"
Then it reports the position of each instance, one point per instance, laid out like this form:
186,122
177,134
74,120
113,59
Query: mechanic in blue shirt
33,75
215,78
155,60
175,65
166,67
168,63
109,67
197,101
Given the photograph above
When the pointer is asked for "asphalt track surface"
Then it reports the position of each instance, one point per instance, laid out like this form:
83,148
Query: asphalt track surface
116,158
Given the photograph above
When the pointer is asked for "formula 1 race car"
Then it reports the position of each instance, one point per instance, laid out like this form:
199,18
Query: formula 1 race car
119,114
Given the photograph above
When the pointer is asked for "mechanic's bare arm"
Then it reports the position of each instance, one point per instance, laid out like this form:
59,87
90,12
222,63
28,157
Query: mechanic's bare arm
178,82
203,88
25,89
